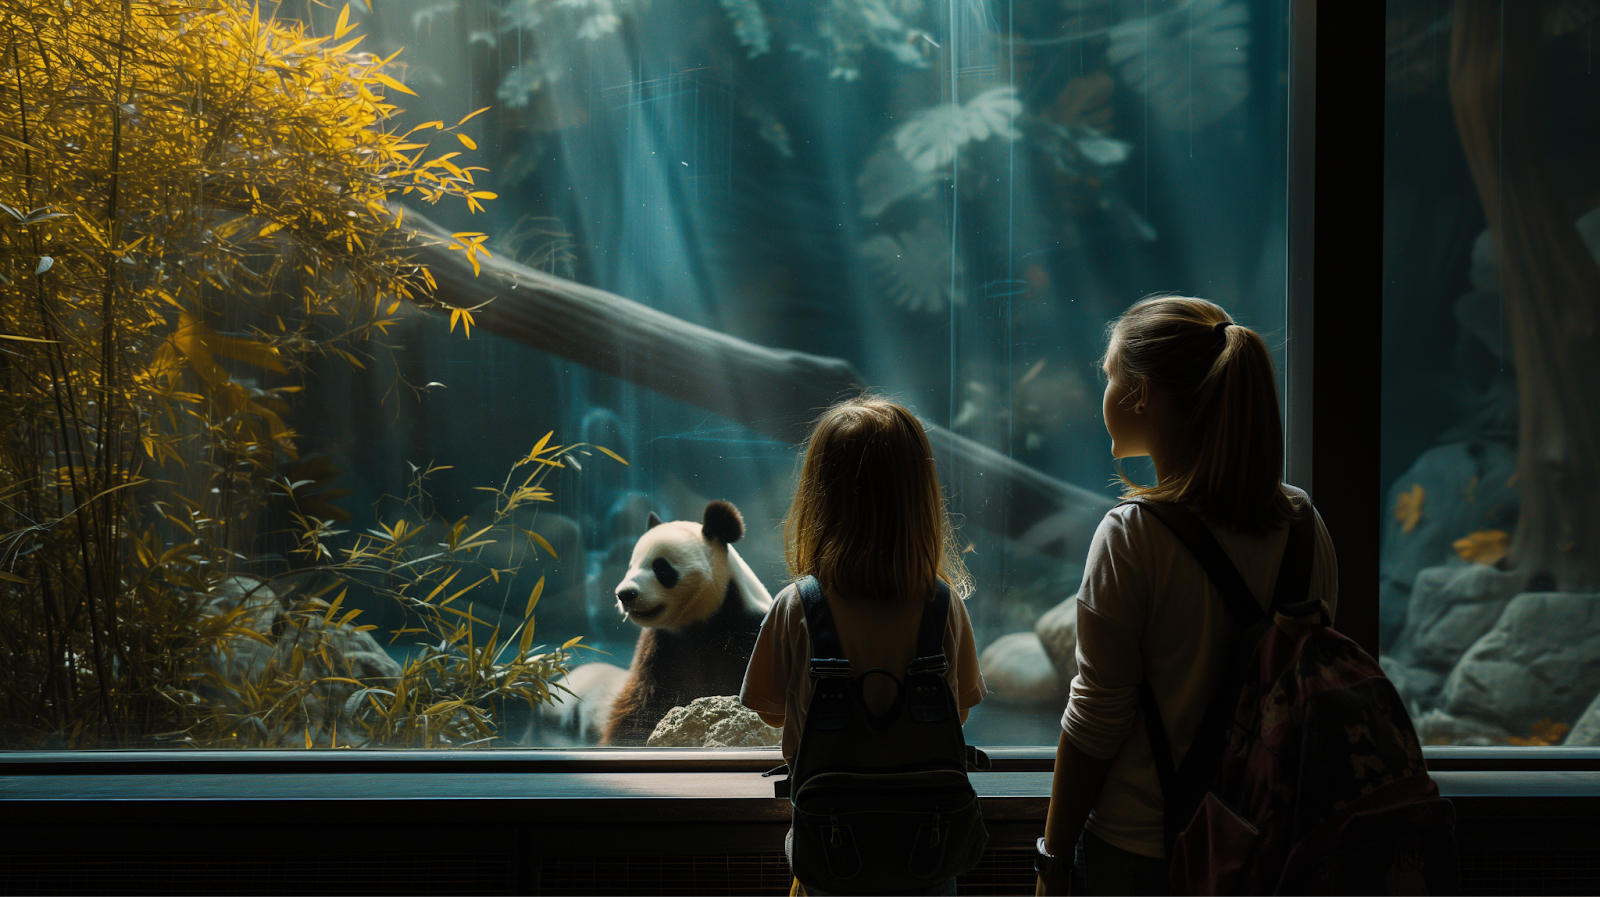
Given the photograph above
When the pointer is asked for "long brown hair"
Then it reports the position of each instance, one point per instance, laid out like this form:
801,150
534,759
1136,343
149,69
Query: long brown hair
868,518
1224,439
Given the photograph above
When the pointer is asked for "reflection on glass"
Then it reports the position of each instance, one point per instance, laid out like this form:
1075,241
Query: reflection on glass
1490,452
275,486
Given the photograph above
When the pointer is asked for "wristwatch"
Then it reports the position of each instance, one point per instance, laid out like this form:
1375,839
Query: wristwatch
1044,862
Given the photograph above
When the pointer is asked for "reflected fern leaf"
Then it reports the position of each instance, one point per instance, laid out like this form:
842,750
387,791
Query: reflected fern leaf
916,269
1188,62
933,136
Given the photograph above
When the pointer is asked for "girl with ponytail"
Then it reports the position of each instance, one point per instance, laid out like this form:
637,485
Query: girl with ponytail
1195,392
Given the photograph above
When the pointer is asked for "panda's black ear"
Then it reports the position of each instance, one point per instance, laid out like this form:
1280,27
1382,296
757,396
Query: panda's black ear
722,522
652,522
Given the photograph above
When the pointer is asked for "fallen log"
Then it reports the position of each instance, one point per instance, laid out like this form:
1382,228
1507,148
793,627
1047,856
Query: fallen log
776,392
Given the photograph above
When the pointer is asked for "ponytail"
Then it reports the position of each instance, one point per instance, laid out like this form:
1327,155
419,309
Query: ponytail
1225,438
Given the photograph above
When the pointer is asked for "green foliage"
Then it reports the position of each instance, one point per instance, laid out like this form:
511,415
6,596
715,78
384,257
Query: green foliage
193,204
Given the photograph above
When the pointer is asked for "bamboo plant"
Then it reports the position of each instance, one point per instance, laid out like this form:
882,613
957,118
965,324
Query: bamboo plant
194,203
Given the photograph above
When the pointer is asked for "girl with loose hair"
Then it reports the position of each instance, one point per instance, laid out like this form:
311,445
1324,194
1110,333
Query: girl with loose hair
1194,391
868,521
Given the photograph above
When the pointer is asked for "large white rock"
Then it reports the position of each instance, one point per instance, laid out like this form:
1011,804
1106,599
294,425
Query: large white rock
714,722
1057,629
1542,659
1017,670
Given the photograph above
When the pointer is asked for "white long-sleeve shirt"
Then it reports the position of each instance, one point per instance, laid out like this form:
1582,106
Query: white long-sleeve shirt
1147,608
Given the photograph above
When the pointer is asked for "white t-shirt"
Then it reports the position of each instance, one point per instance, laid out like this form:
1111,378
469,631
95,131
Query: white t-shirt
1147,608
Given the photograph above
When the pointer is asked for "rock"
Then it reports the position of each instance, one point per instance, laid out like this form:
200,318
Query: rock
714,722
1451,608
251,605
1418,687
1058,636
1542,659
1463,490
288,639
1438,727
1586,731
1018,671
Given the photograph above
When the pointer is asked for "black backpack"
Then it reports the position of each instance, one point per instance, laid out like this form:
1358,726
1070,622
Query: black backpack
1306,775
882,802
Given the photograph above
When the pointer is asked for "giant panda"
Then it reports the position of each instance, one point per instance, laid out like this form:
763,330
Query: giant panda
700,607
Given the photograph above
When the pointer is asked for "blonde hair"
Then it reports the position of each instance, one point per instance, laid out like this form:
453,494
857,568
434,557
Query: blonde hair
1224,440
868,518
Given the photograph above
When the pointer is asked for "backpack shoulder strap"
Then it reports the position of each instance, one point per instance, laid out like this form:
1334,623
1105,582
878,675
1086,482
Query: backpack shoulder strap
1294,574
1194,535
827,657
930,634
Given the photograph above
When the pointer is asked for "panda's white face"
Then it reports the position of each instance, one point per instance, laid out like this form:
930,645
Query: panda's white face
675,577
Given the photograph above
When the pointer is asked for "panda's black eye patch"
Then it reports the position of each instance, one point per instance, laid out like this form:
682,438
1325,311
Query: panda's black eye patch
665,572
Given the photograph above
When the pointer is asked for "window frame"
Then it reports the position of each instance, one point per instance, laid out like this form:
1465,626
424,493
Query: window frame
1342,472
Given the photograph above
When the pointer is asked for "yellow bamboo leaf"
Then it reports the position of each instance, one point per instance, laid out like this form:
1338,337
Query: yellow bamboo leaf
12,577
470,116
526,642
441,586
346,47
343,26
543,543
466,590
533,597
333,608
1485,547
467,614
466,141
539,446
613,455
390,82
1408,507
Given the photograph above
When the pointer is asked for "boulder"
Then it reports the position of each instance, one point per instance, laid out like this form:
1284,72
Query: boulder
1438,727
1017,670
714,722
286,639
1058,636
1418,687
1586,731
1451,608
1463,489
1541,659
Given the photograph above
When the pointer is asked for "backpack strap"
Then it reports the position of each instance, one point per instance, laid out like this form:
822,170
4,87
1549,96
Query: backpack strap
1183,789
1187,526
930,634
827,657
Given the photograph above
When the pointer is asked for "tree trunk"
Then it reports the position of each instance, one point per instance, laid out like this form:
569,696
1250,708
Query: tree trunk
1549,285
773,391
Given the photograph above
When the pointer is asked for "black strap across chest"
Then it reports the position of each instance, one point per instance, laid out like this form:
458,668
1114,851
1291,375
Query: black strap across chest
1183,787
